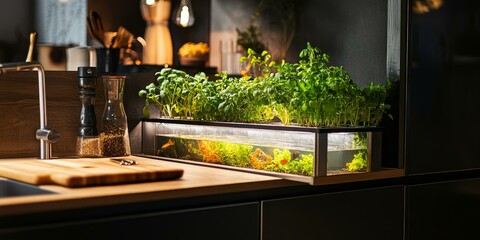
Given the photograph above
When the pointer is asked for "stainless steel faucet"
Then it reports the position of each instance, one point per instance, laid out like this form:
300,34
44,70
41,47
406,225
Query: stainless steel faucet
44,134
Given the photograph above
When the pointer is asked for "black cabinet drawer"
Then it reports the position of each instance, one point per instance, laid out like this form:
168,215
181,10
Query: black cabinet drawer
239,221
363,214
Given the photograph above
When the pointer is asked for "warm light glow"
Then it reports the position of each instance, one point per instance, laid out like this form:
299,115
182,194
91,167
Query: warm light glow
142,41
150,2
184,16
424,6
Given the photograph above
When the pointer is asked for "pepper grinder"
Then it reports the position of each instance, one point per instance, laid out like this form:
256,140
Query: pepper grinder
88,141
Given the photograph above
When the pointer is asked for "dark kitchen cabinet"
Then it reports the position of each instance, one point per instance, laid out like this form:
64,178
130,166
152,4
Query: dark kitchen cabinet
231,222
442,154
442,89
443,210
361,214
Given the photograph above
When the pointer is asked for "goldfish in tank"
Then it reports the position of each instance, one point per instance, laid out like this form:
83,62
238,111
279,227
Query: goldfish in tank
168,144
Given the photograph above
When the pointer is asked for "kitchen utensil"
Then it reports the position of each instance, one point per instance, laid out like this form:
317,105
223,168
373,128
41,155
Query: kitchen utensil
123,38
86,171
109,38
95,23
33,39
108,60
92,31
125,162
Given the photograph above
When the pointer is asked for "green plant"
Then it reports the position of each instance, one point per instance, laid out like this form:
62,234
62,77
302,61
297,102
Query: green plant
259,159
175,93
284,19
272,85
303,165
281,158
250,39
240,100
310,93
359,161
151,97
323,94
208,151
234,154
284,161
374,105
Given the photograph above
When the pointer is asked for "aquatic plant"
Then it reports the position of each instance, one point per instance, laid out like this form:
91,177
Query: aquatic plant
259,159
303,165
281,158
208,151
359,161
287,162
233,154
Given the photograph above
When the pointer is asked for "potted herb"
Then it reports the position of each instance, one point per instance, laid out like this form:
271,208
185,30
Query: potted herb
193,54
309,93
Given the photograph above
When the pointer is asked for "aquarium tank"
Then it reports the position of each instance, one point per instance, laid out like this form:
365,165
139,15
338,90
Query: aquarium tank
299,151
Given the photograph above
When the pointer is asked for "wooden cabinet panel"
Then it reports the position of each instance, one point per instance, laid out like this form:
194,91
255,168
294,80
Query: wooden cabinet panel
20,112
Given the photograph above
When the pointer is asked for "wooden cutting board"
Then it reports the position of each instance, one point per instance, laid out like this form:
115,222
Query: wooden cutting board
85,172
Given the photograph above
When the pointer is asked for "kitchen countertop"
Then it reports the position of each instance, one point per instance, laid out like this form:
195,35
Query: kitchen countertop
196,181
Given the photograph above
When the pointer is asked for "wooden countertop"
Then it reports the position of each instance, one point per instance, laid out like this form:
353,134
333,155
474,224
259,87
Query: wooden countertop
196,181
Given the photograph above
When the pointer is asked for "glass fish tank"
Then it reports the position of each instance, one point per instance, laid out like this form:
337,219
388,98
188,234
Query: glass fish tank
292,152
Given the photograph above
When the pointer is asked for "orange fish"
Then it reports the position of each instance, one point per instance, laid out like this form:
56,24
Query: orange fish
284,161
168,144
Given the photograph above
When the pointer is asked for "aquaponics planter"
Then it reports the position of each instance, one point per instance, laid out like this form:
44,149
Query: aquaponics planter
316,155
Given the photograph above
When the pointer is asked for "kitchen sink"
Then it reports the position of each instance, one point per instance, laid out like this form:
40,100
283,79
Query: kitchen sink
12,188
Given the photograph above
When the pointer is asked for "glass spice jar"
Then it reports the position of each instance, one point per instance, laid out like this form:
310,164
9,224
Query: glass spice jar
114,139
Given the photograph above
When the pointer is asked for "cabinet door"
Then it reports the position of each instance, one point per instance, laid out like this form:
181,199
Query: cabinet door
223,222
444,210
441,123
363,214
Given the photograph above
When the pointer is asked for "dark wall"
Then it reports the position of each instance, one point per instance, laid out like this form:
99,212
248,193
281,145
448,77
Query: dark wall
442,132
16,22
353,33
